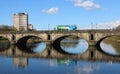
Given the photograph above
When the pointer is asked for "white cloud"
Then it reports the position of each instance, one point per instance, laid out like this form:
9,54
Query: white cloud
104,25
109,25
87,4
51,10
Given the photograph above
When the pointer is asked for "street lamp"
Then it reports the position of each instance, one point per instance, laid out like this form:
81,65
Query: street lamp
91,25
96,26
48,26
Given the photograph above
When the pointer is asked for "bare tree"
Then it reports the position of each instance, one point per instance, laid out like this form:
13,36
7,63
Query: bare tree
118,28
5,28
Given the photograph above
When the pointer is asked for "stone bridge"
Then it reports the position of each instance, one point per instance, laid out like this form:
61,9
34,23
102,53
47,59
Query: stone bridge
91,36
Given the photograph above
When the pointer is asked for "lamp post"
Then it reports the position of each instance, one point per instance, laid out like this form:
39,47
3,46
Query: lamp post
48,26
96,26
91,25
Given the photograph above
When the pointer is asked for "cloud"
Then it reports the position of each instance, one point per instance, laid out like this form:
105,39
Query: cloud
109,25
103,25
87,4
53,10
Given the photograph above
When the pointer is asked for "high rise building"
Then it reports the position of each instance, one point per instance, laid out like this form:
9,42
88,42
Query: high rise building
20,21
20,62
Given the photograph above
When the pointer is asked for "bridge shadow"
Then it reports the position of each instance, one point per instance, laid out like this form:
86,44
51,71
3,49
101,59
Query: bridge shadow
101,50
32,48
4,46
57,46
25,48
23,41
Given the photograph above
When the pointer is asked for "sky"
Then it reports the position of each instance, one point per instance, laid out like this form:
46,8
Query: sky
47,14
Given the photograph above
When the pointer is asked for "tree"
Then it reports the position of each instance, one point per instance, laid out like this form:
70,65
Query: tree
5,28
118,28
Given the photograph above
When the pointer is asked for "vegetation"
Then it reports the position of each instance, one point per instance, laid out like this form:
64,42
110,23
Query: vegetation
114,41
6,28
118,28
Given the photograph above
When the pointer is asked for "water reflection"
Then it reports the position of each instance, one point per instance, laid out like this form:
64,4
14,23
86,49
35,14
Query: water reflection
20,62
33,47
46,66
4,44
66,61
23,62
108,48
87,68
37,47
111,45
76,46
23,65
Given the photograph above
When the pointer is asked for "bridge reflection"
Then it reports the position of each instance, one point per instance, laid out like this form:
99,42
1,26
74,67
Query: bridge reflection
92,54
21,55
23,62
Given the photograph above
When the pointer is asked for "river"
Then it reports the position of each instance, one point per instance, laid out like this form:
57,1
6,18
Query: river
30,65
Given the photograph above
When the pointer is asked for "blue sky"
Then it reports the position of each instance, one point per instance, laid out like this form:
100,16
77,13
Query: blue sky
104,13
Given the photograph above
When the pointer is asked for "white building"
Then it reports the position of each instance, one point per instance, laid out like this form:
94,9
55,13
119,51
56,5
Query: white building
20,21
30,27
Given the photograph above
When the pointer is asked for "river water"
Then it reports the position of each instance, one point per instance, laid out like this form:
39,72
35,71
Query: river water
30,65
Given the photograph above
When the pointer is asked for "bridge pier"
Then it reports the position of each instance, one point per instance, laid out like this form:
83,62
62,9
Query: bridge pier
12,42
13,39
48,42
92,43
91,52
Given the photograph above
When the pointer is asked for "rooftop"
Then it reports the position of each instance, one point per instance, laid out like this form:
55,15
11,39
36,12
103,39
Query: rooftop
20,13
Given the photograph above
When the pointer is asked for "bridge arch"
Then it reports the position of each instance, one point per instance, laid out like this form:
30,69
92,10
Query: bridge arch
5,44
6,37
23,40
99,47
104,37
56,44
79,35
